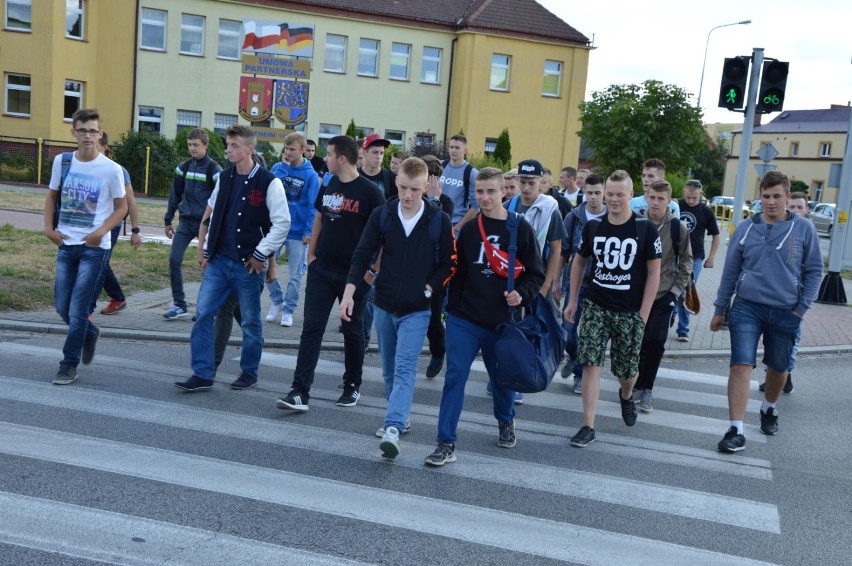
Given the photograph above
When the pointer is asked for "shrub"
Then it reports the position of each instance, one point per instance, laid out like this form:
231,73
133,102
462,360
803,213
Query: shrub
130,151
17,166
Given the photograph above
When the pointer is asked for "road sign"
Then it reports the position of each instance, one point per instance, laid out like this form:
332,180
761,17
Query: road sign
767,153
764,168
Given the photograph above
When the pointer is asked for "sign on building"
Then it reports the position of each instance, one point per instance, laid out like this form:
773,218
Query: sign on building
281,38
255,99
291,102
273,66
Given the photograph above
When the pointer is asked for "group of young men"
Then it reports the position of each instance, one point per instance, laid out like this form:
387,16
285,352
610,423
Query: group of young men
628,271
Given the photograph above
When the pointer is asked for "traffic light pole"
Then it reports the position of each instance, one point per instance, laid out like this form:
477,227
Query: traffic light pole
745,142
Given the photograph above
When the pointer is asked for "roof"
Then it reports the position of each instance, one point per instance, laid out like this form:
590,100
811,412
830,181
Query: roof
829,120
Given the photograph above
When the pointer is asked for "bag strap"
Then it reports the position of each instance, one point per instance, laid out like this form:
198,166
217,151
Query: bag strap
512,225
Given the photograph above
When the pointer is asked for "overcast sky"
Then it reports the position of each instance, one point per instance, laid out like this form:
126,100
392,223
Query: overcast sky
665,39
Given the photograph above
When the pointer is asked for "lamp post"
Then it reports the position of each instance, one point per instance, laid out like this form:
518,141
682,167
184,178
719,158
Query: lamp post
701,86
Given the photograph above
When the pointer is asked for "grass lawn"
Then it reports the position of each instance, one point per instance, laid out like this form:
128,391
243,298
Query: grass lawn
151,214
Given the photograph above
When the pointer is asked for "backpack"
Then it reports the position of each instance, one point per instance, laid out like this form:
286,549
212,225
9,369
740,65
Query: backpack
66,167
434,229
465,180
184,169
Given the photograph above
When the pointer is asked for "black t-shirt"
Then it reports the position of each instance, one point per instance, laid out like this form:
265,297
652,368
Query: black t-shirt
698,219
620,268
345,209
318,163
385,180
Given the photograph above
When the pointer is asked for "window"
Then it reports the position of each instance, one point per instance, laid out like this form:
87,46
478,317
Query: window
74,19
73,98
191,34
500,72
222,122
335,53
18,92
431,69
19,15
825,149
552,78
228,46
424,139
153,34
490,145
794,149
400,56
368,58
188,119
395,137
151,119
326,132
817,190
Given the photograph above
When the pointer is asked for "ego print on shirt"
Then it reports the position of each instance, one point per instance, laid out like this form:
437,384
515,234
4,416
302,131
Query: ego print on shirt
614,259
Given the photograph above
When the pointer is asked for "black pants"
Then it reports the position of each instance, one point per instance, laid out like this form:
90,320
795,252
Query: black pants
654,341
436,333
323,287
222,325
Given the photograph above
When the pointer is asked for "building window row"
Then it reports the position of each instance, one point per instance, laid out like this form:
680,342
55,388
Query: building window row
501,75
19,17
18,96
368,59
154,26
150,118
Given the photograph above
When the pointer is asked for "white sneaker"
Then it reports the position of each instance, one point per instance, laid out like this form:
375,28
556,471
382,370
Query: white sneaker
274,311
390,443
286,319
381,431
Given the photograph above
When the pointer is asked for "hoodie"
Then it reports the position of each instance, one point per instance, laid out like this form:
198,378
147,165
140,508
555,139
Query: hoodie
301,185
674,276
777,265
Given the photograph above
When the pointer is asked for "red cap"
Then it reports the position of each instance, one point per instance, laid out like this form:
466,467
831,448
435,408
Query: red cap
374,139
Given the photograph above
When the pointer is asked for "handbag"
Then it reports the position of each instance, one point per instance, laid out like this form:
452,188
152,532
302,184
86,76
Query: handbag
497,259
529,351
690,299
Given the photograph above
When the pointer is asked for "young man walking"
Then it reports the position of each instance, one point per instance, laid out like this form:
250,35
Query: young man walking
774,265
625,251
457,182
413,268
478,302
652,170
344,206
89,200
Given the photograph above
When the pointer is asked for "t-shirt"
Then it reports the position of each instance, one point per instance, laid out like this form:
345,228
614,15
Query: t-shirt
555,230
572,197
87,196
379,180
452,185
345,209
698,220
620,268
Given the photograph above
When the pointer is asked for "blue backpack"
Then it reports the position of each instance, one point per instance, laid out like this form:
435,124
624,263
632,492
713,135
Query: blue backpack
66,167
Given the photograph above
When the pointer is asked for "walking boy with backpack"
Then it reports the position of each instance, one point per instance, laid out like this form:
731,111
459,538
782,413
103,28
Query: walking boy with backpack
457,182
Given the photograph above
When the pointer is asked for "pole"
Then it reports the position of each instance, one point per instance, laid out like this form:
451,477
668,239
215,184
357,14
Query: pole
745,142
706,46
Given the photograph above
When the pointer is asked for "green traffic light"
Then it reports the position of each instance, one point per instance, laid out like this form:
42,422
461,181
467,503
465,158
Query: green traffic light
731,97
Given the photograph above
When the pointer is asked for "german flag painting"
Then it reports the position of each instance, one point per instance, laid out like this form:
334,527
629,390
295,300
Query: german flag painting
282,38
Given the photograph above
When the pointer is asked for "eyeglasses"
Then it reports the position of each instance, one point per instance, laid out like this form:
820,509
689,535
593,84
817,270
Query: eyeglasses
87,133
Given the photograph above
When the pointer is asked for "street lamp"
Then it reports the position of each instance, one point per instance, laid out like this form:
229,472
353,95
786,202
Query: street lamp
701,86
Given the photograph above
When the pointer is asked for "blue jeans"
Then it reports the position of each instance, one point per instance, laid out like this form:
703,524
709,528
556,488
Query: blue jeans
185,232
296,253
223,277
682,313
779,327
400,341
573,343
464,340
78,270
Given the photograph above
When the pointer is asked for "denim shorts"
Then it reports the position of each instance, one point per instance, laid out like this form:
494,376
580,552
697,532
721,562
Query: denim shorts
747,321
598,326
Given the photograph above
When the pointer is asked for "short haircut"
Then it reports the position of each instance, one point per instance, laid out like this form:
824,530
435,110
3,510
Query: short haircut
310,142
586,171
488,173
240,131
345,146
661,186
434,165
654,162
459,138
414,167
295,137
693,185
594,179
570,171
773,178
619,175
401,155
199,134
104,141
510,174
794,196
85,115
546,171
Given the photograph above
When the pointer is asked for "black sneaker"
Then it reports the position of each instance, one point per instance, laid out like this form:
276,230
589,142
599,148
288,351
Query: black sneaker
769,421
445,453
436,364
350,396
65,376
507,434
89,348
244,381
195,383
788,386
584,437
628,410
293,402
732,442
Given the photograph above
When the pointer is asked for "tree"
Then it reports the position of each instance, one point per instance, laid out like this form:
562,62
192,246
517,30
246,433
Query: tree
131,151
798,186
351,131
627,124
503,147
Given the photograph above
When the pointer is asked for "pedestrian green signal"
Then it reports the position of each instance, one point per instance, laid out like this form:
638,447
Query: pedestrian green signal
731,98
734,79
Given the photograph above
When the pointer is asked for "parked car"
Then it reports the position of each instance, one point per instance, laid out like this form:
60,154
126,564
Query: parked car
823,218
812,205
756,207
723,207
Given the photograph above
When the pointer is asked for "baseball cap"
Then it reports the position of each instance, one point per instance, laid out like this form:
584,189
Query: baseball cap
529,168
374,139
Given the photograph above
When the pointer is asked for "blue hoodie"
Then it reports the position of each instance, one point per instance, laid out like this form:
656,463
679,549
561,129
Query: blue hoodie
777,265
301,185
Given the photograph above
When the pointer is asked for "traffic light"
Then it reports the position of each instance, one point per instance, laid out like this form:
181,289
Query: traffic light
773,81
732,91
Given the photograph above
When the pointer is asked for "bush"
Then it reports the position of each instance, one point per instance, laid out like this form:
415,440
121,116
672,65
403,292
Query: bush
130,151
18,167
268,152
480,161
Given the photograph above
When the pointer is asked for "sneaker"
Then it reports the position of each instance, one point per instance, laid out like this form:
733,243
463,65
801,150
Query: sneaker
195,383
646,401
175,312
65,376
788,386
567,369
732,442
637,395
436,364
445,453
114,306
584,437
507,434
89,349
578,385
286,319
244,381
769,421
390,443
628,410
519,398
350,396
381,431
682,338
274,311
293,402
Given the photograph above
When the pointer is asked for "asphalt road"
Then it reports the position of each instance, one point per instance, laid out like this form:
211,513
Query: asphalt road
122,467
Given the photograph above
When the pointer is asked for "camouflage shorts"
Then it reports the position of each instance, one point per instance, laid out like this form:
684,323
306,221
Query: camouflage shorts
598,326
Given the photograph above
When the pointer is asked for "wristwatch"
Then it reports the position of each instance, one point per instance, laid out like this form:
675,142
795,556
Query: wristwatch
427,292
134,230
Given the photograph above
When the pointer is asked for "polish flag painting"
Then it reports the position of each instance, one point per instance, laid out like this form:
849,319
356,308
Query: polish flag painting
267,36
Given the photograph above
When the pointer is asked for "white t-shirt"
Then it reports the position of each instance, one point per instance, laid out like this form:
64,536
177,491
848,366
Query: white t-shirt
87,196
408,224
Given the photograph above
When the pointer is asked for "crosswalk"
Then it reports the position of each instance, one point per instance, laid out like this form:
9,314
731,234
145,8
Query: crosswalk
650,496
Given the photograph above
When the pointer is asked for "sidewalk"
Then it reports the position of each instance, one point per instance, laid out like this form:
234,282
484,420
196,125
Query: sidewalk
827,329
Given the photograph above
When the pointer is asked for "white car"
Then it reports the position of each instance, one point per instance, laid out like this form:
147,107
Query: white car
823,218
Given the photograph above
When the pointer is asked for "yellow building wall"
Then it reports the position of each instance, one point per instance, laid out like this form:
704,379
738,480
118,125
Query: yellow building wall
540,127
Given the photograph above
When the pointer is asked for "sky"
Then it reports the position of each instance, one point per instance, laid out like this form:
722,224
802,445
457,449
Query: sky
665,40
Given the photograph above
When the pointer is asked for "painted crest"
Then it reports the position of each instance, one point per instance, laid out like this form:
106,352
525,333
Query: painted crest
291,102
255,99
